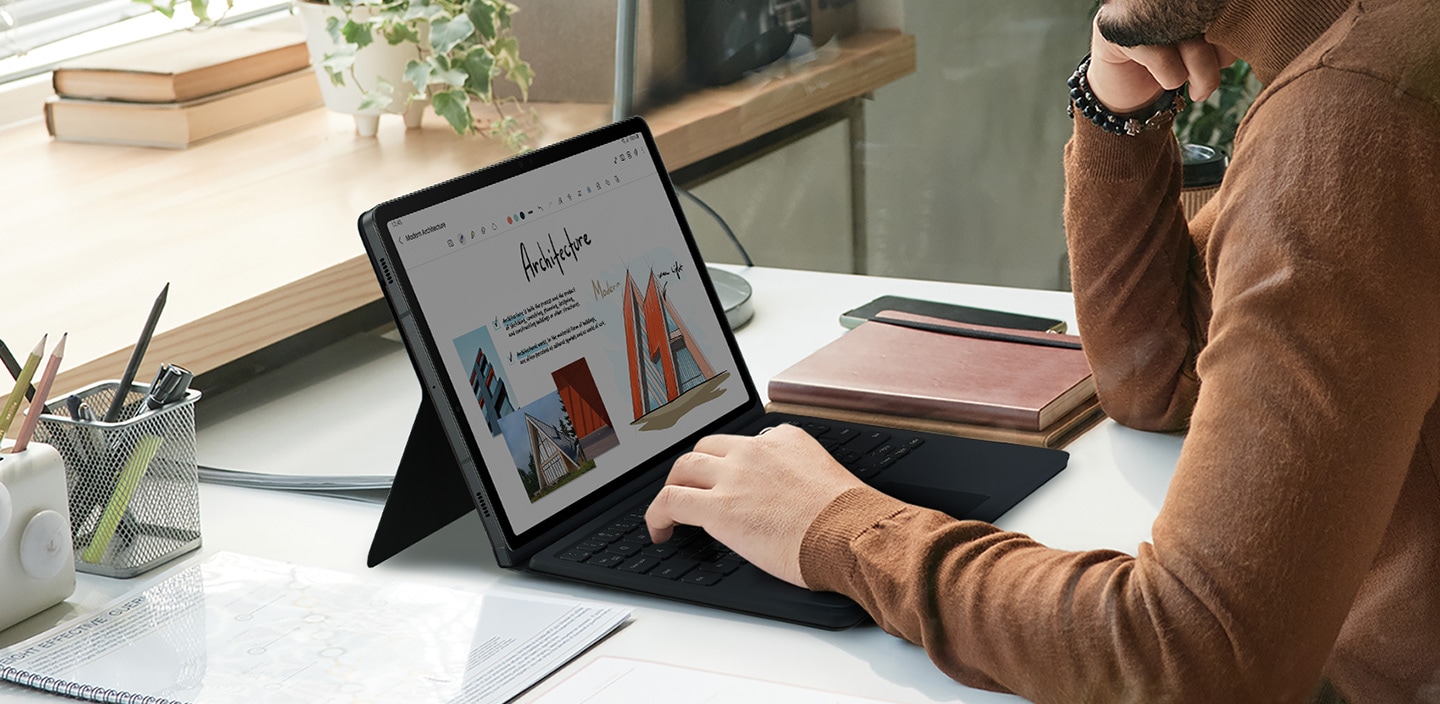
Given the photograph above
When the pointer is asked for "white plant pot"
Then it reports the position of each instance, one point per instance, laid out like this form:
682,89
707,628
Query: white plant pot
377,60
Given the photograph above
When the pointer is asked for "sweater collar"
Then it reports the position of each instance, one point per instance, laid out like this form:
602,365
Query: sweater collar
1269,34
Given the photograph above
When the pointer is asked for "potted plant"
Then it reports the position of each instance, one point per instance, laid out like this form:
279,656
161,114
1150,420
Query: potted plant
395,56
453,53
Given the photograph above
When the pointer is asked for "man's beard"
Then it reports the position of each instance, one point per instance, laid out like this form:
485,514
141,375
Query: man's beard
1156,22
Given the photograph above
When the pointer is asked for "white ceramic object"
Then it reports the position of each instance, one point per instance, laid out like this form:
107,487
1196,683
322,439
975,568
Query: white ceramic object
37,559
378,59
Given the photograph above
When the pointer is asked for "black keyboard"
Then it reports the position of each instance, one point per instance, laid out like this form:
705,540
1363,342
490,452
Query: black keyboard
691,556
867,452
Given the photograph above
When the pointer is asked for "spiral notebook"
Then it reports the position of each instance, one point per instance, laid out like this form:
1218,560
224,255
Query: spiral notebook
238,628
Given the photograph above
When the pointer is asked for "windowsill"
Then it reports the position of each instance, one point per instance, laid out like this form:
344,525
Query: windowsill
255,231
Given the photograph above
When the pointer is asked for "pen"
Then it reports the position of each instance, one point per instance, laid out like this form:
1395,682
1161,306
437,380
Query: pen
136,355
170,385
37,407
1049,339
14,368
7,415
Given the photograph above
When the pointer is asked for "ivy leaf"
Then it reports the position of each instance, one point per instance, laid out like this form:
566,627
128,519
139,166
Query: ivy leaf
201,10
482,15
398,32
337,62
332,27
445,34
357,33
454,106
424,11
503,11
379,97
522,75
164,8
506,51
477,65
418,74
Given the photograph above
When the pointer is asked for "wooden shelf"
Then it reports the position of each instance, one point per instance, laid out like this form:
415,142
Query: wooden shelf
256,231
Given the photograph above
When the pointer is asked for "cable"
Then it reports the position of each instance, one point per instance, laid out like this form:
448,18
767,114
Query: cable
723,225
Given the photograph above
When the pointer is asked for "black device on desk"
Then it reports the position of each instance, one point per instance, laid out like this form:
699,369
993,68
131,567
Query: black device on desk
953,312
571,345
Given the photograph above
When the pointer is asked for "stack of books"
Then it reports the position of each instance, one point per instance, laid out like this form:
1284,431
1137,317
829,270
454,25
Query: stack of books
178,89
912,371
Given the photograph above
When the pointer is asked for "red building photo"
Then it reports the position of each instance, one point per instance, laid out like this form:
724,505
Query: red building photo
587,411
664,360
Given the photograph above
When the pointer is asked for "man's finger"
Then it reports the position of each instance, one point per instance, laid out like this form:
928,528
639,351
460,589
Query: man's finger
718,445
1203,67
675,505
695,469
1164,63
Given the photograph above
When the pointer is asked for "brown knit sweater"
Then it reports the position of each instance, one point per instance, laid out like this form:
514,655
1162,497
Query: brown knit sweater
1294,328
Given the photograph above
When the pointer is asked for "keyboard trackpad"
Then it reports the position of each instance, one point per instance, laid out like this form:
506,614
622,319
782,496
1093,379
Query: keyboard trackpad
956,503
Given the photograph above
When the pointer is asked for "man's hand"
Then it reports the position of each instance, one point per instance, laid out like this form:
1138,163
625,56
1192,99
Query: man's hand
757,495
1126,79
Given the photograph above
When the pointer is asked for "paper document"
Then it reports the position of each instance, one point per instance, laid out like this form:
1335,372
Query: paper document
237,628
610,680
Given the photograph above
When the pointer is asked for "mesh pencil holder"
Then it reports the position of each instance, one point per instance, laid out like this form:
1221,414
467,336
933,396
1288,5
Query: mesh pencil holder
134,490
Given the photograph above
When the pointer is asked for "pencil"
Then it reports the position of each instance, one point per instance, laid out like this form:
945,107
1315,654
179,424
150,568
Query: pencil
14,368
42,391
125,487
136,355
22,382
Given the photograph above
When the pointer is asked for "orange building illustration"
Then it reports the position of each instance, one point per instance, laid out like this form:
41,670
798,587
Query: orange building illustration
664,359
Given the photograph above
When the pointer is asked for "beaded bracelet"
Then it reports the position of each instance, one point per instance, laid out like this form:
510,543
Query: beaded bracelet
1152,117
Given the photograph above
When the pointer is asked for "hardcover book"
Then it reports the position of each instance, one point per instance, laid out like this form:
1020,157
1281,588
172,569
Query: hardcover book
183,66
948,372
178,125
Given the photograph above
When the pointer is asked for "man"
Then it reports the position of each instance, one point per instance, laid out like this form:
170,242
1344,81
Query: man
1293,328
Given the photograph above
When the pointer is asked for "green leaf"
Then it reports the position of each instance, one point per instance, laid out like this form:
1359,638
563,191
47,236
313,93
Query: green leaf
522,75
424,11
418,74
482,15
337,63
398,32
201,10
357,33
379,97
477,65
503,11
506,51
454,106
445,34
332,26
160,6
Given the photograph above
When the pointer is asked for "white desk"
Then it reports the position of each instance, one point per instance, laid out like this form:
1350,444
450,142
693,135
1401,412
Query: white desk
364,394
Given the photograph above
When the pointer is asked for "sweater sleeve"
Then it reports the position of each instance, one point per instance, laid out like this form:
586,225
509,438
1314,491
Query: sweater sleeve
1134,273
1320,366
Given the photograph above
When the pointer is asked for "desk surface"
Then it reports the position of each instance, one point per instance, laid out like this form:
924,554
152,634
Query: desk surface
256,230
1106,498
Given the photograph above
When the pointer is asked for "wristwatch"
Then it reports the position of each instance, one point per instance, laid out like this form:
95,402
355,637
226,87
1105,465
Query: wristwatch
1150,117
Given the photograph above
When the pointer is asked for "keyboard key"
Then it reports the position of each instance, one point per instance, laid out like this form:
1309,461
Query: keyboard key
606,536
673,568
867,441
575,555
640,565
846,456
606,559
623,548
912,443
701,578
591,545
721,566
660,550
842,435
